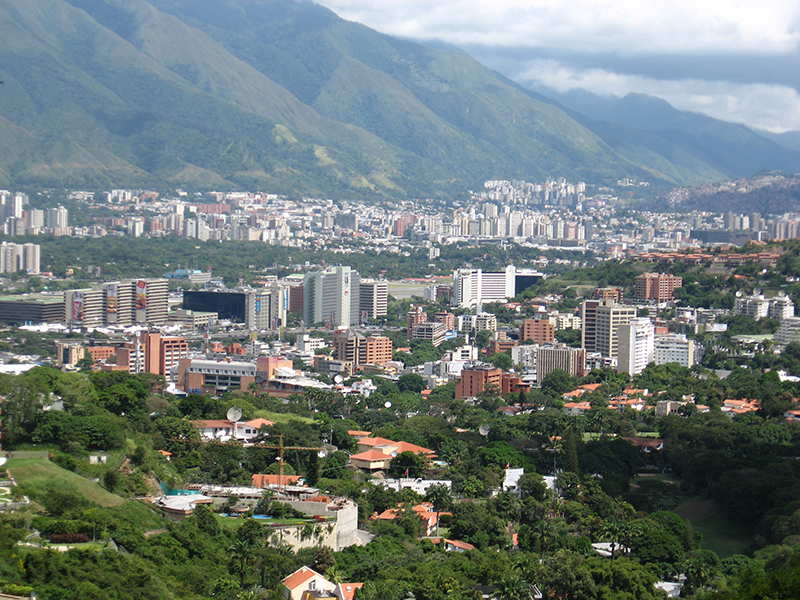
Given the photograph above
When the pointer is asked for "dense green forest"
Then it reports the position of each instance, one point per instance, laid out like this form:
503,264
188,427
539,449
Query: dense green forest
139,257
744,466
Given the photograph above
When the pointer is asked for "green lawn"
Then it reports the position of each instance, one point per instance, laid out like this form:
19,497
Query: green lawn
282,417
35,475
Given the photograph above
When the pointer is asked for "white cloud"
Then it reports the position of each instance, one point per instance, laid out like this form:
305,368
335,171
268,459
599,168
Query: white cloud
625,27
771,107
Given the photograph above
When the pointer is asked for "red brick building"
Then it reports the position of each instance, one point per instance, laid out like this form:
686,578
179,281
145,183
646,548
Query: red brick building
538,330
656,286
475,379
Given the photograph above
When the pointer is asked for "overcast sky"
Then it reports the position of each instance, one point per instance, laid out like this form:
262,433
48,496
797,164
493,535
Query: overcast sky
734,60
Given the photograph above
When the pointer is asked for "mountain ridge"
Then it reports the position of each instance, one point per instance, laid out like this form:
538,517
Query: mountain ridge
286,96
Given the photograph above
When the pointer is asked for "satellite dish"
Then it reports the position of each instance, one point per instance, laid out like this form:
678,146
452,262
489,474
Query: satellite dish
234,413
338,379
757,291
738,293
387,404
322,453
484,430
394,452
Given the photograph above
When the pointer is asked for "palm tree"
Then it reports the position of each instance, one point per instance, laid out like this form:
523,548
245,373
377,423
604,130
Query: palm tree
545,531
241,554
612,530
511,587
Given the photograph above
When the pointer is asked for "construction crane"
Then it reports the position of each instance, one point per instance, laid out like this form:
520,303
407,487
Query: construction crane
322,451
281,448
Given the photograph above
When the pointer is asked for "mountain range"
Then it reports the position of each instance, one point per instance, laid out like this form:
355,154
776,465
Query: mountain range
285,96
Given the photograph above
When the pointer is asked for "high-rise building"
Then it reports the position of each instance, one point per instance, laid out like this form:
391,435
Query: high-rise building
57,218
120,303
161,354
789,331
485,322
434,332
34,219
472,287
674,348
609,316
19,257
85,308
781,307
636,346
541,331
415,317
355,348
373,299
559,356
448,318
589,325
332,296
476,378
656,286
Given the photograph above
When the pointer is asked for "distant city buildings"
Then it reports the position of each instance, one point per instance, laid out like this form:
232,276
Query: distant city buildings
19,257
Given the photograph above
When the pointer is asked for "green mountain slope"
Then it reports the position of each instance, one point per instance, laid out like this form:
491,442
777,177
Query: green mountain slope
283,96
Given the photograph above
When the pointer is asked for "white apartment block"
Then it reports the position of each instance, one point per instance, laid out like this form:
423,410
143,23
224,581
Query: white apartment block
636,346
789,331
19,257
674,348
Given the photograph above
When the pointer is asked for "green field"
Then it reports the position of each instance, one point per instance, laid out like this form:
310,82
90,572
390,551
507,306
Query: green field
720,535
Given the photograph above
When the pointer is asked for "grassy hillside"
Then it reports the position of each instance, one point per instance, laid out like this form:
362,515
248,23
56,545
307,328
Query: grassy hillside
36,475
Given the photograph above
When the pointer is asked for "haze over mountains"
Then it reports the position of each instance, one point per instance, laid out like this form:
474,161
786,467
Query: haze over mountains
287,97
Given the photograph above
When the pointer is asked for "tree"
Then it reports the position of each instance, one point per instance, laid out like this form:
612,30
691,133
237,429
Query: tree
406,464
439,496
563,576
569,452
482,338
412,382
501,360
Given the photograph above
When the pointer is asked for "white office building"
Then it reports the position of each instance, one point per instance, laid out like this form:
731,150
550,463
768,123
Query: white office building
332,296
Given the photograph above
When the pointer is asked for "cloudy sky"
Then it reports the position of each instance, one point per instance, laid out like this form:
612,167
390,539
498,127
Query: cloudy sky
731,59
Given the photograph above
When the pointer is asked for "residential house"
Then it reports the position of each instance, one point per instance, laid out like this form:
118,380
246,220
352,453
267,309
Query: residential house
304,579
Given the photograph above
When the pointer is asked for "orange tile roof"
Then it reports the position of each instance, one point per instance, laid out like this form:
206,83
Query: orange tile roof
357,433
299,577
406,447
376,441
258,423
218,423
590,386
370,455
260,480
348,590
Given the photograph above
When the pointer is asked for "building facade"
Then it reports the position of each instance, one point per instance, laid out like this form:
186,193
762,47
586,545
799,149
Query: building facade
608,318
541,331
332,296
636,346
656,286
